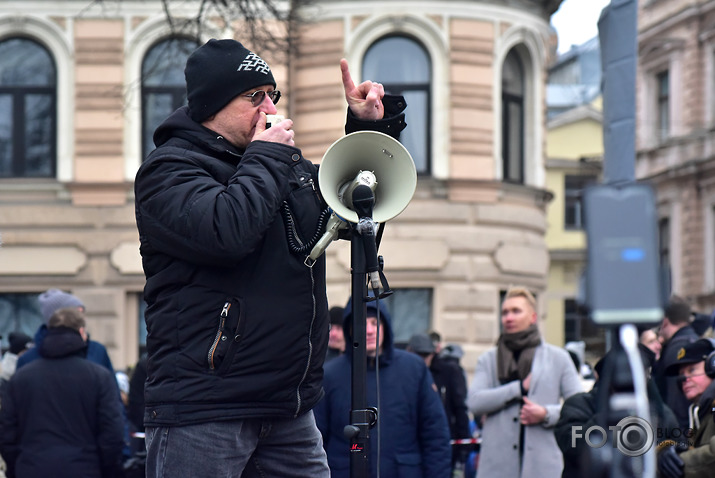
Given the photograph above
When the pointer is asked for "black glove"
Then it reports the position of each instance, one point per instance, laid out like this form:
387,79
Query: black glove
669,463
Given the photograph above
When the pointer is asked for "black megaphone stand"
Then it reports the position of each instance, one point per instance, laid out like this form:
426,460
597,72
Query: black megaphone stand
364,263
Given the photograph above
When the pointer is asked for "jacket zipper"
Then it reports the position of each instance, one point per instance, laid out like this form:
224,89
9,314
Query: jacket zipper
310,345
219,334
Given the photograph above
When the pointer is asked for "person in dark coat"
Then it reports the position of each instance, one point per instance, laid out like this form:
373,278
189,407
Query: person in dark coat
60,416
675,332
50,301
412,429
586,410
451,385
228,212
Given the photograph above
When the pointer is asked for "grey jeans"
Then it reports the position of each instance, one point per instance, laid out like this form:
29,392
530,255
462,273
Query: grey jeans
265,448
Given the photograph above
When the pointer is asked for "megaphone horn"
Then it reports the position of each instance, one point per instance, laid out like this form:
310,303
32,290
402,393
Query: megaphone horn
375,160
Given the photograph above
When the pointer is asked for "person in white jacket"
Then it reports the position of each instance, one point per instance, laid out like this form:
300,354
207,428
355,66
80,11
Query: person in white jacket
518,387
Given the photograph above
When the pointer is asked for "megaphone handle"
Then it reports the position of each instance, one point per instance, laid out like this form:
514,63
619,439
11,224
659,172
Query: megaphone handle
366,230
331,232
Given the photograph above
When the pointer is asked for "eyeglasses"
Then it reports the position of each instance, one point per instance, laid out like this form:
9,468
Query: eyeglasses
258,96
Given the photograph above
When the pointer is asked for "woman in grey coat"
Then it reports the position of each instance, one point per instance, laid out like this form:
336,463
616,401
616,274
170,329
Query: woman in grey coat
518,387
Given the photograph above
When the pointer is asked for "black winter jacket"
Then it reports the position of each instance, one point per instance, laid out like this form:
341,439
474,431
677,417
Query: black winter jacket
60,416
237,323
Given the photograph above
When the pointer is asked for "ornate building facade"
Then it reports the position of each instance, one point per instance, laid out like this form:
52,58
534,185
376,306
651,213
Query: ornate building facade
676,138
83,84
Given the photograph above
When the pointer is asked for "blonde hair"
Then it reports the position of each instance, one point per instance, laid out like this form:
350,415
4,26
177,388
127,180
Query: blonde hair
521,292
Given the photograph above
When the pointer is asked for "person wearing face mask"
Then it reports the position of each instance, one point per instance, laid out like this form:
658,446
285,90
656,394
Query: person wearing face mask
237,322
518,385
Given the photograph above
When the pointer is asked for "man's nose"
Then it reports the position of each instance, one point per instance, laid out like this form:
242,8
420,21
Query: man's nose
268,107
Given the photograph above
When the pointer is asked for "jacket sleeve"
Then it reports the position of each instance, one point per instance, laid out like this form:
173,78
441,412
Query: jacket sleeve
392,124
484,397
569,384
577,411
433,431
458,402
700,461
185,212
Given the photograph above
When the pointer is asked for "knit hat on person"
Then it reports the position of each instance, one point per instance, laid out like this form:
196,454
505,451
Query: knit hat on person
55,299
217,72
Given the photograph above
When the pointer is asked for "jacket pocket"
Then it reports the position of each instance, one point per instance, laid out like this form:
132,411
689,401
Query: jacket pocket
228,334
409,465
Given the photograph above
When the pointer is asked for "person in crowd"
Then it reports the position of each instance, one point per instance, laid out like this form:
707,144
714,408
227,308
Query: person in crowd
135,466
702,324
412,434
436,338
675,332
336,339
694,368
649,337
451,385
227,212
519,385
588,409
50,301
19,344
123,384
60,416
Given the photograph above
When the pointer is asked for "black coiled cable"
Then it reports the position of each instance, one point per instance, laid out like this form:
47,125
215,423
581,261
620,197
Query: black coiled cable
294,242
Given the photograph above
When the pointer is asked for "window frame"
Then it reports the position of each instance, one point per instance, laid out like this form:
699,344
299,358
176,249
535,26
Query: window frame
400,88
509,99
574,197
19,95
176,92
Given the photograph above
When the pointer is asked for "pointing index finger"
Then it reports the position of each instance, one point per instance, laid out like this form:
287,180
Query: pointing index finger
347,79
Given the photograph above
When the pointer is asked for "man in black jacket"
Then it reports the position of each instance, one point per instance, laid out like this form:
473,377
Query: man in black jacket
451,385
228,211
60,415
676,332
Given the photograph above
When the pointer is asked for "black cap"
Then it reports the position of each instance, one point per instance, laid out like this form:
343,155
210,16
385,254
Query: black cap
217,72
336,316
421,344
693,352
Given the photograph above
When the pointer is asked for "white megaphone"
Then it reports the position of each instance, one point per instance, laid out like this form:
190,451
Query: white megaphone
364,158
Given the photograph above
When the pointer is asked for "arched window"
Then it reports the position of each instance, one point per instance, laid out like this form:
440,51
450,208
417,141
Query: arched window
28,110
163,84
403,66
512,94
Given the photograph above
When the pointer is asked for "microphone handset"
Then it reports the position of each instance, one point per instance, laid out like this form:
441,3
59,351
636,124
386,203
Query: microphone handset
346,194
363,200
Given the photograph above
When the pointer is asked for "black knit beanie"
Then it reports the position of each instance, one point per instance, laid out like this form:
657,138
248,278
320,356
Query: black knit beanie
217,72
